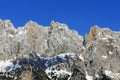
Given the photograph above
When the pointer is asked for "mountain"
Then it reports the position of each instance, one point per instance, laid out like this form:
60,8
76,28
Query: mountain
36,52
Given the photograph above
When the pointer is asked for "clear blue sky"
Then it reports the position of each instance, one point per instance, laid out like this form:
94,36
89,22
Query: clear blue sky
77,14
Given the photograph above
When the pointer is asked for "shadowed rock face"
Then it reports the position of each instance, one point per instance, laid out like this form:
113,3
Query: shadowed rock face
36,52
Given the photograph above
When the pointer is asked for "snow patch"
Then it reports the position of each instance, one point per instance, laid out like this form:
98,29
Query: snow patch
49,61
96,75
57,73
112,75
10,35
81,57
83,47
105,38
20,32
108,36
63,56
106,29
88,77
7,66
110,52
103,56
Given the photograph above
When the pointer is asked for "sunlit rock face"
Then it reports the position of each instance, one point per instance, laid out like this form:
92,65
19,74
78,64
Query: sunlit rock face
36,52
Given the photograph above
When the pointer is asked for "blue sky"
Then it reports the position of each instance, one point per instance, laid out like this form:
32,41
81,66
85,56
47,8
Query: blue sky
77,14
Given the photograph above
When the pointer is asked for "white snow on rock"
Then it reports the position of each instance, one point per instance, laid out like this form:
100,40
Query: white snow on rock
88,77
81,57
96,75
83,47
112,75
105,38
7,66
110,52
22,31
108,36
10,35
104,56
57,73
62,56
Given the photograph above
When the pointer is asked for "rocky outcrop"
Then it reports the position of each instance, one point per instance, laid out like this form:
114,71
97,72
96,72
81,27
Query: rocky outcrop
92,34
43,40
103,54
36,52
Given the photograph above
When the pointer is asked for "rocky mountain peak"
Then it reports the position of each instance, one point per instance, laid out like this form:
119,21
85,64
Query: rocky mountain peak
56,52
94,31
6,24
31,24
57,25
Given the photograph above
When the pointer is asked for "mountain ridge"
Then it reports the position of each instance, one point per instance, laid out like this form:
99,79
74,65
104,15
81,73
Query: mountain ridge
58,53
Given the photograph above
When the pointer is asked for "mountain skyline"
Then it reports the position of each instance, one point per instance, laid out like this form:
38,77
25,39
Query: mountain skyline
55,52
78,15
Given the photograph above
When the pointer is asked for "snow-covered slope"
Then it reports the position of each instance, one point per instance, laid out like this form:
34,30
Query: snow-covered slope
8,65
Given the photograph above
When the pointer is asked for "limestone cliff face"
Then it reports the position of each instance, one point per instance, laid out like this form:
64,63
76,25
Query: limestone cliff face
36,52
92,34
44,40
103,53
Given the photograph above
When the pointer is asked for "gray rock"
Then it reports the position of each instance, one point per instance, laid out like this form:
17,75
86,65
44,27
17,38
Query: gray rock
97,54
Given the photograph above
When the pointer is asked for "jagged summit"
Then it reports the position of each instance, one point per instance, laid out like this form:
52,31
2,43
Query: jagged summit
33,37
31,23
58,53
94,31
6,24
